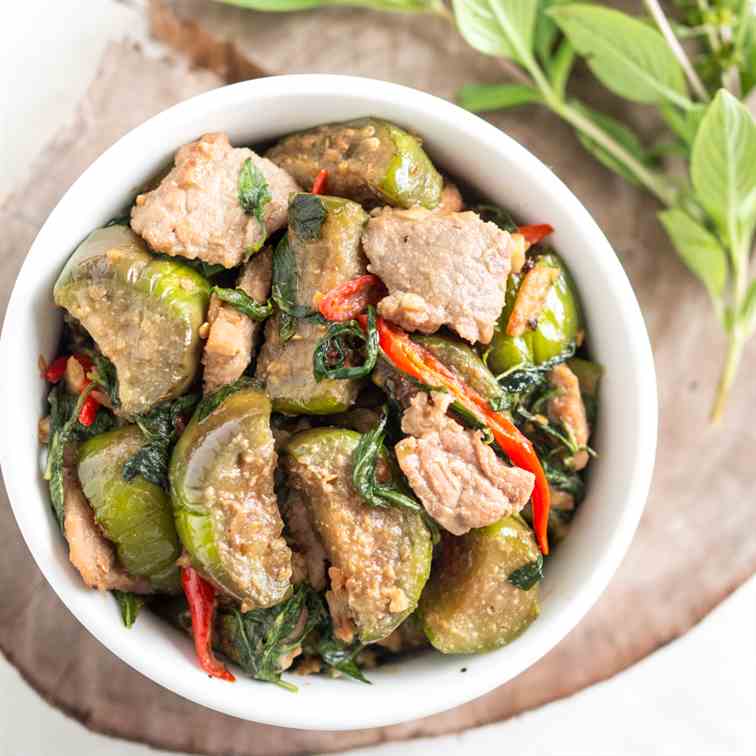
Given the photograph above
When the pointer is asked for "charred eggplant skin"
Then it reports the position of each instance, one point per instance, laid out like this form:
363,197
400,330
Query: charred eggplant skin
143,312
224,505
558,324
135,515
365,543
368,160
324,237
469,604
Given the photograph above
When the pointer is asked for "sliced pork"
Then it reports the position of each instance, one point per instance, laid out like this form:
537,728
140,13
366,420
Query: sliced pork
195,210
233,335
460,481
440,269
566,408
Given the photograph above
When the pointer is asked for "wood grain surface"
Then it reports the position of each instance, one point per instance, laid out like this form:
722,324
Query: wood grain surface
695,542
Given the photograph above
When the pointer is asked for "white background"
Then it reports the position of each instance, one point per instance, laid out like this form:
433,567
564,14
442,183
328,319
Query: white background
696,696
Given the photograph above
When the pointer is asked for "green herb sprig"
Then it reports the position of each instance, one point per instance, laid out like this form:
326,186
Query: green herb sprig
65,428
160,432
710,213
240,300
331,353
254,195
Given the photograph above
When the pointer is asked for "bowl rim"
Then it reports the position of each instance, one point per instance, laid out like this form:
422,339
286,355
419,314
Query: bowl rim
612,552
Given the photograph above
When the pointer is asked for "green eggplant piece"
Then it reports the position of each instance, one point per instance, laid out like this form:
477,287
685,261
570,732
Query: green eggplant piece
368,160
324,237
224,504
383,554
143,312
558,325
470,604
135,515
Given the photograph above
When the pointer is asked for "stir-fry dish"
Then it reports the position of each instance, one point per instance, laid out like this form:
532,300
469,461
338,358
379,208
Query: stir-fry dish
318,408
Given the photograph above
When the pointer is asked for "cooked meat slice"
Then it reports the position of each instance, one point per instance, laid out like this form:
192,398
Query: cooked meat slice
90,552
567,408
338,604
305,538
232,336
531,297
451,200
448,269
460,481
195,210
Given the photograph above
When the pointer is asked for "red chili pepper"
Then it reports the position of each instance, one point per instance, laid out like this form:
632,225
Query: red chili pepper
88,411
319,185
534,234
349,299
56,369
200,596
415,360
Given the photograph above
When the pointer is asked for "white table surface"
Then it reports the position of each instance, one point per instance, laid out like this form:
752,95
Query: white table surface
696,696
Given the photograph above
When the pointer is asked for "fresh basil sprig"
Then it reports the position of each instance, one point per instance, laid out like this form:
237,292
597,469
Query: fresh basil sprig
159,429
283,290
254,195
364,463
699,91
65,428
331,353
528,575
240,300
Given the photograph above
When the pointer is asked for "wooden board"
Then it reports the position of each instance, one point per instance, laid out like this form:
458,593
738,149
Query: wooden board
695,542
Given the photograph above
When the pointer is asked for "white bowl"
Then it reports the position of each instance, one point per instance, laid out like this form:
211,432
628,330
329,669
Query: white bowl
505,173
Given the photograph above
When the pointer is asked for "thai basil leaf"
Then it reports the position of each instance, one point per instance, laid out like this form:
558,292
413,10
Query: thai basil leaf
619,132
364,463
497,215
254,192
159,429
260,639
307,214
503,28
284,288
240,300
546,31
104,375
627,55
129,604
563,479
211,402
392,494
331,352
64,428
684,123
528,575
479,98
723,167
341,656
699,249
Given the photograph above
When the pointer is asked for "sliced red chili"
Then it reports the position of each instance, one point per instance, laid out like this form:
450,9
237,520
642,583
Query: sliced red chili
349,299
319,185
535,233
88,411
200,596
56,369
415,360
